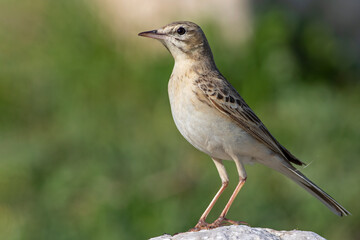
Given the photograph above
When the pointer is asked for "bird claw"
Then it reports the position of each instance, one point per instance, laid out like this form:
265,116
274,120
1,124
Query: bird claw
202,225
225,222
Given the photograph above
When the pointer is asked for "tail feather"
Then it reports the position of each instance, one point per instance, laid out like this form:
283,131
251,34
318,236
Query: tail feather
311,187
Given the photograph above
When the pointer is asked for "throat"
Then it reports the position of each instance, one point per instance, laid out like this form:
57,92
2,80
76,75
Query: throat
186,67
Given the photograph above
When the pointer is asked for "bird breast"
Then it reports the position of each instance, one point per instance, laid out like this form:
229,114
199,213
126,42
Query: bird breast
206,128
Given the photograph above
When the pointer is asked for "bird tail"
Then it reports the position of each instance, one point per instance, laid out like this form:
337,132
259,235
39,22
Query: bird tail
291,172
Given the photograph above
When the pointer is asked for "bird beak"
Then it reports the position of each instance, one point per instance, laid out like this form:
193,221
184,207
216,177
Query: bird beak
153,34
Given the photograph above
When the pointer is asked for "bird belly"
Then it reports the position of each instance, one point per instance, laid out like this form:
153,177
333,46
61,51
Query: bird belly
203,133
211,132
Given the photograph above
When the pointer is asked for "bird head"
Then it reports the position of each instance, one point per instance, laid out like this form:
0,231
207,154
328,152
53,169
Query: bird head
184,40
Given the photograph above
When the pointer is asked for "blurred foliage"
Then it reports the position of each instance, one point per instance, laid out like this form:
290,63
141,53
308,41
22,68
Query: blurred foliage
89,149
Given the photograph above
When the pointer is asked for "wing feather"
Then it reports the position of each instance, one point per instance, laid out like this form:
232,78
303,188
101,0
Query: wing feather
227,100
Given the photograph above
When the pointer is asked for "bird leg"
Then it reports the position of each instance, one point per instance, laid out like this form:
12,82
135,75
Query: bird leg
202,224
242,179
222,220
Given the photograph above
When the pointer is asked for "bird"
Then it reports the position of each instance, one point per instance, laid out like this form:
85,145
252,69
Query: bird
213,117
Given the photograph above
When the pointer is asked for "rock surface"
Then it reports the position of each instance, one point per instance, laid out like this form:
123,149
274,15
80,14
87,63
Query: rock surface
244,233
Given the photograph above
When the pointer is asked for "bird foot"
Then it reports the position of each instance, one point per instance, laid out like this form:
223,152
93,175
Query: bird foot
202,225
225,222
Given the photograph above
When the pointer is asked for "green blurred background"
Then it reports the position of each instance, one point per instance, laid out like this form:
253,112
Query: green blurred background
89,150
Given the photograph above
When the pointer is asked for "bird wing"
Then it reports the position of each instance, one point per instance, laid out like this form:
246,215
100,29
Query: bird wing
228,101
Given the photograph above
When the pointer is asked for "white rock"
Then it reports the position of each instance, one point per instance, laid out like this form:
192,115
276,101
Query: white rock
242,232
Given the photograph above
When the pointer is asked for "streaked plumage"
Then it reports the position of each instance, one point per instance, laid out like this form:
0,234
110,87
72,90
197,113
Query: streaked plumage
214,118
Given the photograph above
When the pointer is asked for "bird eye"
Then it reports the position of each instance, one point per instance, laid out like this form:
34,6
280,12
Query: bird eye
181,30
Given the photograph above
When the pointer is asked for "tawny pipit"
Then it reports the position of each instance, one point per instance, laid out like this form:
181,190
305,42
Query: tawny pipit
215,119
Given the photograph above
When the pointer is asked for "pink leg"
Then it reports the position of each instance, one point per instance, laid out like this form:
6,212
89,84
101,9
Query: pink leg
218,222
202,224
225,181
211,205
232,198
